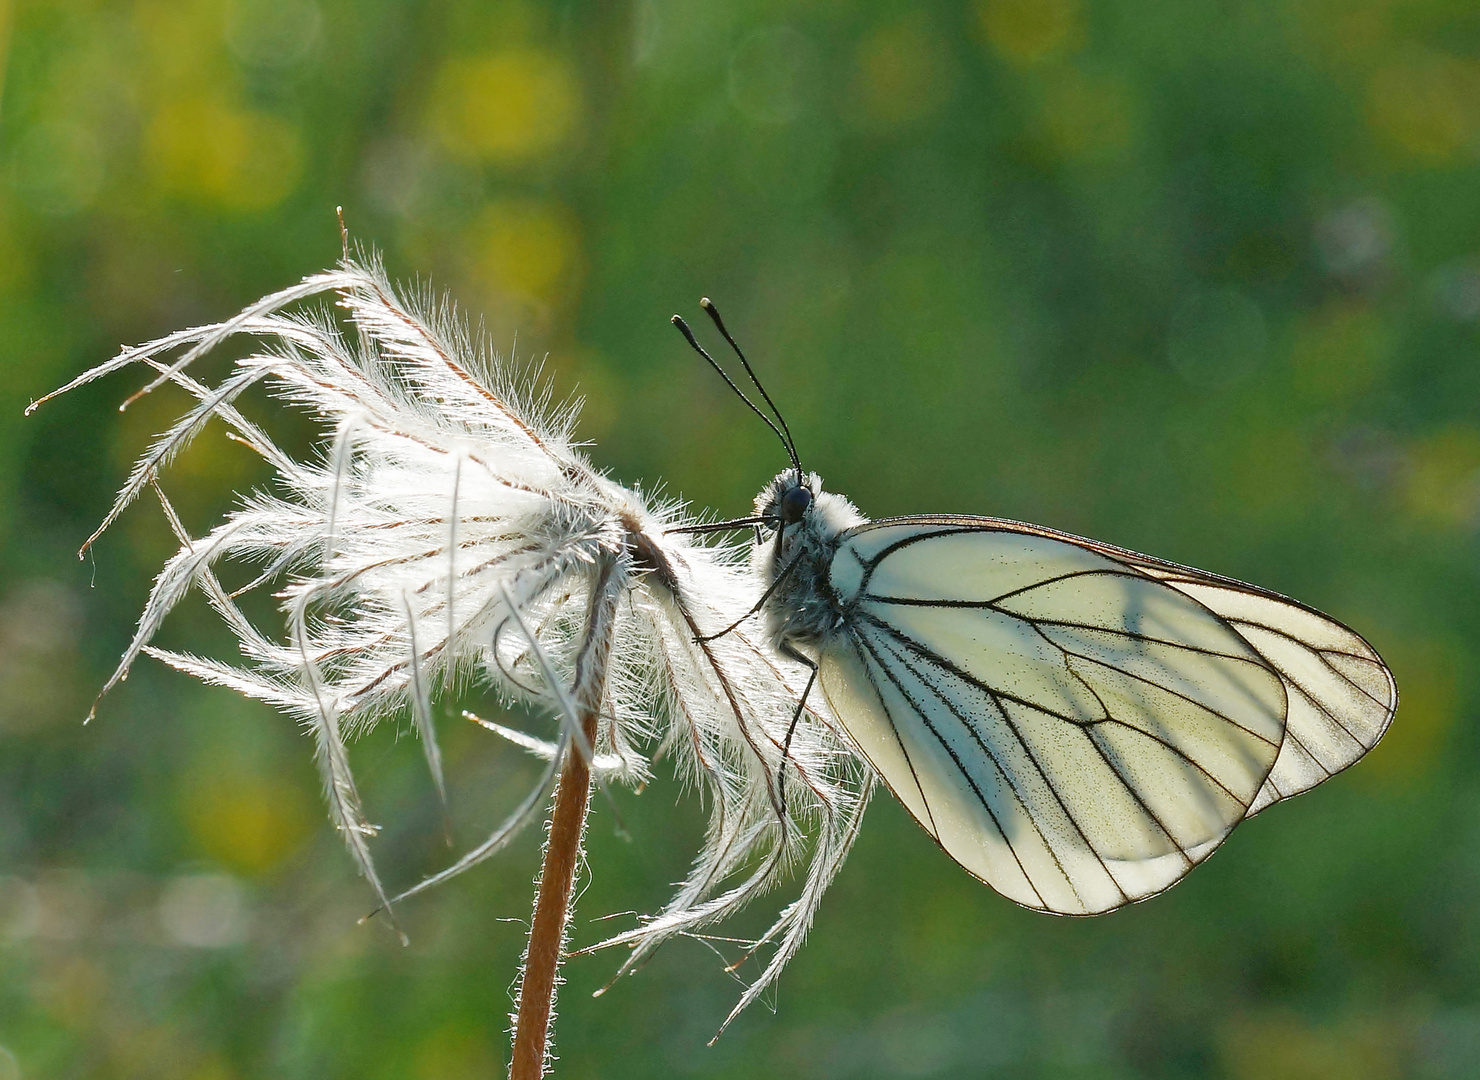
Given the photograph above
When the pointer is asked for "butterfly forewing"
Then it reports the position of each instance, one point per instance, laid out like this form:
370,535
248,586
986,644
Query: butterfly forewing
1069,727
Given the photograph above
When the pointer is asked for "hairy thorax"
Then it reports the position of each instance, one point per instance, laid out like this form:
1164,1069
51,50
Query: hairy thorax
801,610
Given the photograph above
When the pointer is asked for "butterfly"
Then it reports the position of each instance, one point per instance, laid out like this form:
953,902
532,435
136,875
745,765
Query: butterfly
1076,724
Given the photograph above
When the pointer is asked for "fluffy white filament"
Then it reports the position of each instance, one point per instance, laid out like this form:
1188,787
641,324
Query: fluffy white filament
451,531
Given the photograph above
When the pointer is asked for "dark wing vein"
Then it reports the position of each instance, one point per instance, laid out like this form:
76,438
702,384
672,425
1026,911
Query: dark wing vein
1058,798
1291,682
927,653
991,756
1100,750
1111,718
1230,721
997,697
1036,584
904,750
1323,654
1136,795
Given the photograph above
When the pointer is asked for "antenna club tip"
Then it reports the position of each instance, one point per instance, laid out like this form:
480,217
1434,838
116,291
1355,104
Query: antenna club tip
706,303
677,320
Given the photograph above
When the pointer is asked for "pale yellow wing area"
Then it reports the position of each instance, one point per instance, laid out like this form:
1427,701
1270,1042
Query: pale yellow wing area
1070,728
1342,696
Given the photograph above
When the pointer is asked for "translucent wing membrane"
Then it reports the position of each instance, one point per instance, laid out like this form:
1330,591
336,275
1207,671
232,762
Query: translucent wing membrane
1342,696
1078,725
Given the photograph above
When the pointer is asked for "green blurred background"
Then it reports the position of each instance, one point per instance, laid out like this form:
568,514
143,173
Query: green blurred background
1201,279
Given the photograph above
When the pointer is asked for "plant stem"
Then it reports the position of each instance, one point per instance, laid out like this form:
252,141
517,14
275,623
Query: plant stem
563,845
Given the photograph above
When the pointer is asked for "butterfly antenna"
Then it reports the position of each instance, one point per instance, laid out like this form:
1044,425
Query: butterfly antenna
683,328
791,446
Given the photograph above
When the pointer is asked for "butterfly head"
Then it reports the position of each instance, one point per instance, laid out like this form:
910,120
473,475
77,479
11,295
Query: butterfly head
796,506
787,500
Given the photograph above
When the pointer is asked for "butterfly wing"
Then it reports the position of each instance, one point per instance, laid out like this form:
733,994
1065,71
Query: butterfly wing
1342,696
1078,725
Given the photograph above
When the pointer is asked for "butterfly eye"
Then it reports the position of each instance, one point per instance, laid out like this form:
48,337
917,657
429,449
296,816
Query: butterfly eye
794,504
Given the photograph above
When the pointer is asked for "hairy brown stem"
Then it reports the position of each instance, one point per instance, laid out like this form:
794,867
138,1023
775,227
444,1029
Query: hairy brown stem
563,845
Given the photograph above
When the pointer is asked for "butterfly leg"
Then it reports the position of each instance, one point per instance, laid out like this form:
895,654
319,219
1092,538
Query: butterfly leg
759,603
791,653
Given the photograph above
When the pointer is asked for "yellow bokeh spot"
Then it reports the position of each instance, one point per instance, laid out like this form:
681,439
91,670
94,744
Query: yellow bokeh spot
180,44
150,1049
1026,31
507,107
72,991
215,152
1087,117
247,823
587,375
1427,105
212,1068
525,248
901,74
455,1052
1344,30
1339,352
1443,480
1428,673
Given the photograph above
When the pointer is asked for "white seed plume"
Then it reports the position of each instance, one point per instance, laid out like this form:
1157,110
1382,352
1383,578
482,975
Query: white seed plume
451,532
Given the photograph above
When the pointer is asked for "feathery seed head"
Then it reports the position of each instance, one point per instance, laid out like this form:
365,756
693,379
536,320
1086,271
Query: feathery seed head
448,529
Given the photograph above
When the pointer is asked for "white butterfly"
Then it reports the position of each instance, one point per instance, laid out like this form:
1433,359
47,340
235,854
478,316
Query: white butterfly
1076,724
